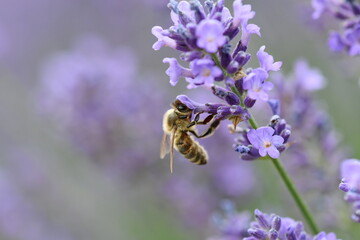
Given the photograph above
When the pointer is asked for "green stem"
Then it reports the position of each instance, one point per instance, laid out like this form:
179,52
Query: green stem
292,189
296,196
278,165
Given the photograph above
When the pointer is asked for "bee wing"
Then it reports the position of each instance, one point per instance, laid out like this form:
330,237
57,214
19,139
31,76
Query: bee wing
172,151
165,145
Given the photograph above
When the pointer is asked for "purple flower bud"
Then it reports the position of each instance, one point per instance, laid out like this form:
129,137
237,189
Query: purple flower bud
230,97
285,135
273,234
261,219
209,108
233,67
225,57
198,11
176,71
258,233
183,7
344,186
210,35
249,102
239,85
183,18
190,56
216,12
231,31
276,223
290,235
274,105
242,58
239,47
242,149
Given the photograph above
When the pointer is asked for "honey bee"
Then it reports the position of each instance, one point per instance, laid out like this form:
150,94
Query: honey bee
177,125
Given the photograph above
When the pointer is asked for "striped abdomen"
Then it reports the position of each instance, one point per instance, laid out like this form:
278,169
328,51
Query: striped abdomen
190,148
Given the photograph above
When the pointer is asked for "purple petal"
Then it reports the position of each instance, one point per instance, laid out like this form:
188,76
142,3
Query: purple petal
262,151
267,61
273,152
277,140
267,86
265,133
254,138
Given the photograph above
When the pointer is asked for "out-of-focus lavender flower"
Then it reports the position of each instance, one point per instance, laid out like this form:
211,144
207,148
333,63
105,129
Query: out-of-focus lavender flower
19,219
350,183
4,43
308,78
90,91
347,13
265,226
230,224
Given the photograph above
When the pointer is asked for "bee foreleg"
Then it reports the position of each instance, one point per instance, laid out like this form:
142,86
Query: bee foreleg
203,122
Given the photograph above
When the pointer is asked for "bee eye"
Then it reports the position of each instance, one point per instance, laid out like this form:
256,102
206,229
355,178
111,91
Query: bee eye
181,107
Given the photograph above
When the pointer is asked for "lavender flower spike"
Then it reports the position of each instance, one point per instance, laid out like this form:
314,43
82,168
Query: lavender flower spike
267,61
210,35
176,71
263,139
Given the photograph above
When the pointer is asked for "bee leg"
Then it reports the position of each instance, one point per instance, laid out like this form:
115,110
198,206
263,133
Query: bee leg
195,121
210,131
203,122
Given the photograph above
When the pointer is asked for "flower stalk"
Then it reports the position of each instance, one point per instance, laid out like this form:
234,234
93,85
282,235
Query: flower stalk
304,209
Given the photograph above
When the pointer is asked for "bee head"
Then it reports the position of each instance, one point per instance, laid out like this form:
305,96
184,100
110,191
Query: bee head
181,109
